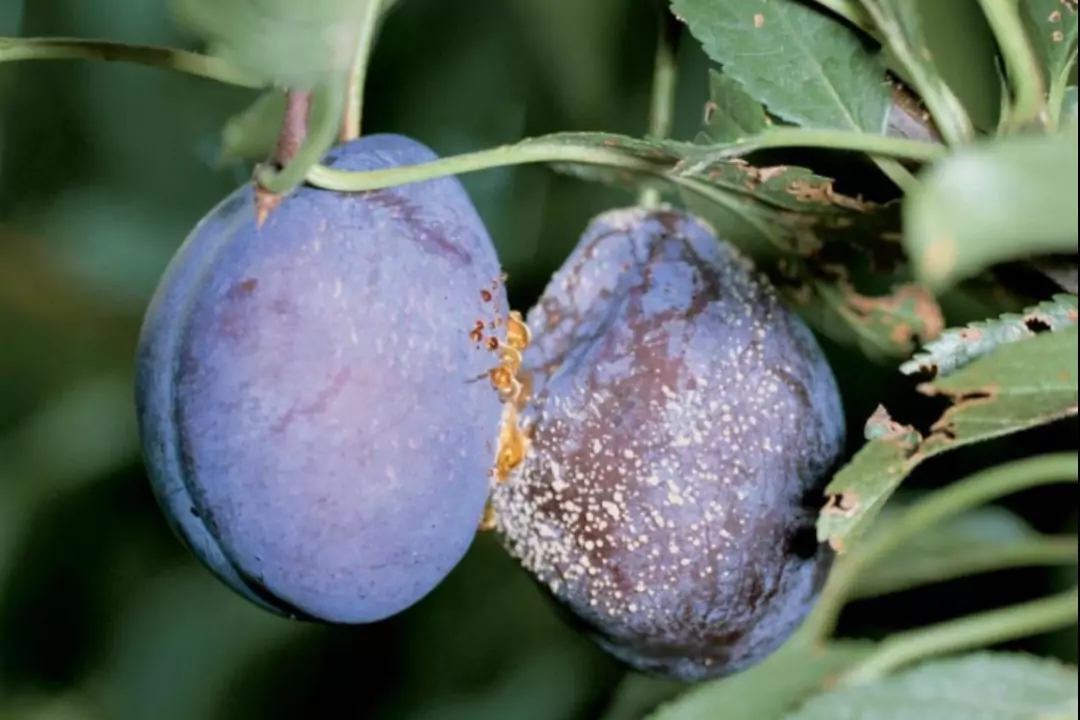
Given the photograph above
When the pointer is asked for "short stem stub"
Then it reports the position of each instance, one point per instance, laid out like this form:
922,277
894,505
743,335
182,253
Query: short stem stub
294,129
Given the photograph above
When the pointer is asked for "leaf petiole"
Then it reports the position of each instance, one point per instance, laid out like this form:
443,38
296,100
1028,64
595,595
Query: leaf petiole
967,633
354,105
664,83
546,149
1024,73
17,49
1037,552
328,102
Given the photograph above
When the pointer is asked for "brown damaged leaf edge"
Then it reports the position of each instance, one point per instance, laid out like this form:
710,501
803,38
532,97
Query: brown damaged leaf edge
811,190
943,432
825,193
882,429
845,504
914,449
890,309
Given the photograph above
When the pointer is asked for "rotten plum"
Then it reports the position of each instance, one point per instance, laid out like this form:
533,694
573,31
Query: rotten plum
681,426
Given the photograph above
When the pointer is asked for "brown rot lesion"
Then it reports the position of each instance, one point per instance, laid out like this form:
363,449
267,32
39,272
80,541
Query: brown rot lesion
512,385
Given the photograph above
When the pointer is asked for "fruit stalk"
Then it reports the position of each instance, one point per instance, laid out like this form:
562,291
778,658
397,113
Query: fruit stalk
329,99
294,127
293,133
354,104
664,84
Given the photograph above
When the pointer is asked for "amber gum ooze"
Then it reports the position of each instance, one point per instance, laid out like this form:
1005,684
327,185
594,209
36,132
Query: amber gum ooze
513,388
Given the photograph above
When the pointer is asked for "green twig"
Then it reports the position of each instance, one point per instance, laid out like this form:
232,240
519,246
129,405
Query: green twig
1043,551
664,83
972,491
354,106
541,150
531,151
1022,66
974,631
16,49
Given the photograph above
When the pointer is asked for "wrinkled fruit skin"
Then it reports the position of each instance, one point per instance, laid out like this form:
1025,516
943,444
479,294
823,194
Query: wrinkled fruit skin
315,418
683,424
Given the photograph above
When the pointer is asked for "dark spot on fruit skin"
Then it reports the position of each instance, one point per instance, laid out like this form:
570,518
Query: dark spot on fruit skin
797,388
427,233
246,286
317,405
304,397
683,417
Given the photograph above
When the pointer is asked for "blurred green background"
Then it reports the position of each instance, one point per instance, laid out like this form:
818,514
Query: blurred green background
103,170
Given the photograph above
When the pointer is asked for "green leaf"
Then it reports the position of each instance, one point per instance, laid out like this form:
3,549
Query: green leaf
959,347
286,43
1005,200
982,540
860,489
769,690
1019,386
731,114
1053,23
900,26
805,66
838,265
978,686
1068,105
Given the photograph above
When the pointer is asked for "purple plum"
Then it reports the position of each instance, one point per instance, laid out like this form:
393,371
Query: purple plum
313,397
681,428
